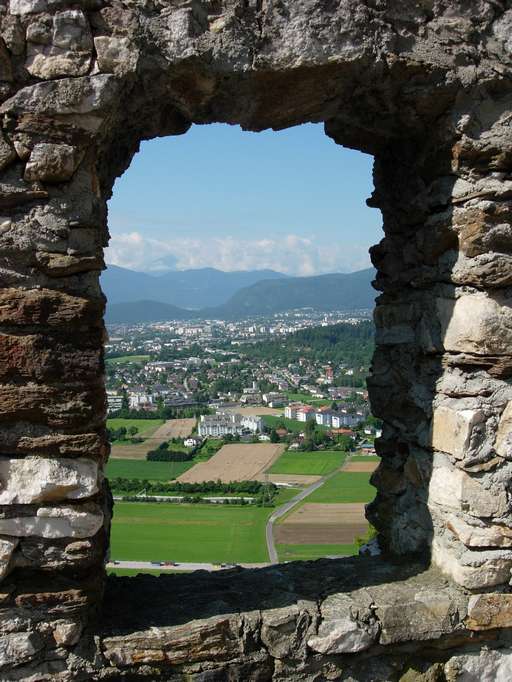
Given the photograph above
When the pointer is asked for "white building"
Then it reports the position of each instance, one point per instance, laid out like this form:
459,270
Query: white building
114,401
224,423
344,419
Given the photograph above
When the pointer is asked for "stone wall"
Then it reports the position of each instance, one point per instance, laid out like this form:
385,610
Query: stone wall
423,86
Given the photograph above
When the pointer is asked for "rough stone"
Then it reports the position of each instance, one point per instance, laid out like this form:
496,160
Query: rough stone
7,547
503,444
489,611
451,430
65,51
116,54
54,522
455,489
52,163
475,533
18,648
425,88
67,633
476,323
489,665
35,479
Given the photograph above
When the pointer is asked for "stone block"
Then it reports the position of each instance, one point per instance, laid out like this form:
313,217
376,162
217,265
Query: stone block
202,640
489,611
7,547
116,54
67,51
21,7
348,625
455,489
18,648
52,162
475,533
38,479
476,323
55,522
7,153
451,429
42,358
503,445
27,307
485,665
473,570
67,633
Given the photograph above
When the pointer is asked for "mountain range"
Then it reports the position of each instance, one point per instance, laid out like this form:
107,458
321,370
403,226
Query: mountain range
194,289
148,298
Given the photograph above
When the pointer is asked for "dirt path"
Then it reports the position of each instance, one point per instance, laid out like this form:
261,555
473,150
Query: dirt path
173,428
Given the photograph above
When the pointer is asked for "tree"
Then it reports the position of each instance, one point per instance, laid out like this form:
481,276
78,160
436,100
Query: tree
125,403
334,405
132,430
274,436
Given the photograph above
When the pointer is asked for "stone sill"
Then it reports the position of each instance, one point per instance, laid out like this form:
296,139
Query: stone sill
297,616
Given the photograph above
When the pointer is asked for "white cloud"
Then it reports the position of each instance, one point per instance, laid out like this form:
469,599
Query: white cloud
291,254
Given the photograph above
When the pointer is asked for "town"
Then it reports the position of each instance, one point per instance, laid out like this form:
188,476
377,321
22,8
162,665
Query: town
260,415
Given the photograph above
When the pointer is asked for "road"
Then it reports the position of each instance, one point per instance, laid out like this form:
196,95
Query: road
179,566
281,511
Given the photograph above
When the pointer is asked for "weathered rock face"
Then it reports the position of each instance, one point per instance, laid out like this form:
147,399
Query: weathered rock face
425,87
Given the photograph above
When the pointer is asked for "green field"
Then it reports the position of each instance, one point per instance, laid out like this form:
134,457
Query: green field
311,463
145,531
308,552
164,532
307,399
293,425
365,458
150,471
145,426
124,359
344,487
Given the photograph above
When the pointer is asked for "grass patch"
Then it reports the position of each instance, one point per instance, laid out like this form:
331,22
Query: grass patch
309,463
124,359
189,533
145,531
145,426
365,458
344,487
144,470
309,552
293,425
307,399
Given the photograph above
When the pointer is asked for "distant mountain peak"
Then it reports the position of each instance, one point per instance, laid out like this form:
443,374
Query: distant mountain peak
336,291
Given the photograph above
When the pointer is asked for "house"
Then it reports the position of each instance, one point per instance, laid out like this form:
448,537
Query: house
367,448
305,413
191,442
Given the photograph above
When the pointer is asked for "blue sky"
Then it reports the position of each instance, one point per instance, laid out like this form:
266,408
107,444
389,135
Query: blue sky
218,196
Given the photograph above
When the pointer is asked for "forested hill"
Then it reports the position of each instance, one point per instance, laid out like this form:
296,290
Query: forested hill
338,291
351,344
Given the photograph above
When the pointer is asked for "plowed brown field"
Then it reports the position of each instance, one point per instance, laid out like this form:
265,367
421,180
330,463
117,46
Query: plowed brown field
173,428
322,524
361,467
237,462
